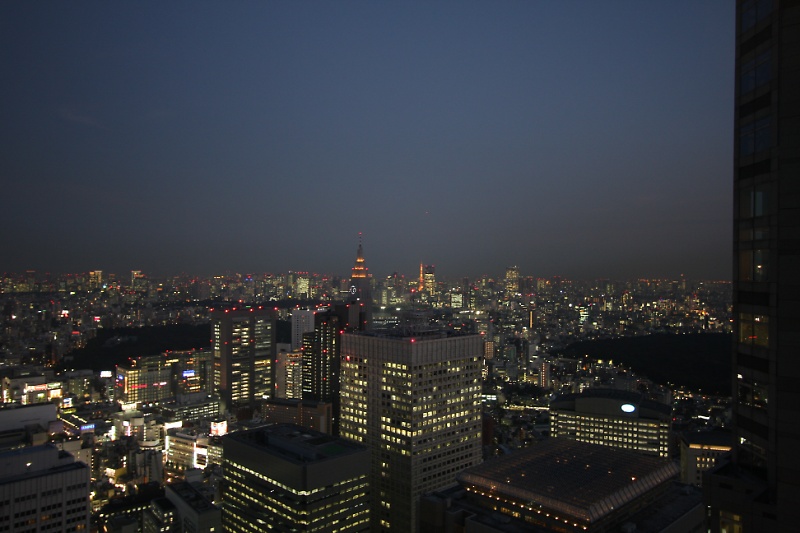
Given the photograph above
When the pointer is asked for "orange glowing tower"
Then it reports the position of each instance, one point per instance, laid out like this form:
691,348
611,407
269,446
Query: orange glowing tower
360,290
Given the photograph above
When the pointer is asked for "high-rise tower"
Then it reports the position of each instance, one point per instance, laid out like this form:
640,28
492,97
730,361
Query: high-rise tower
760,489
285,477
511,280
243,346
360,289
413,397
321,354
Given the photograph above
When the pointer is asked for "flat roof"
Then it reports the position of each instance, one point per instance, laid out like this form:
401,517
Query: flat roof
708,438
567,401
297,443
191,496
584,481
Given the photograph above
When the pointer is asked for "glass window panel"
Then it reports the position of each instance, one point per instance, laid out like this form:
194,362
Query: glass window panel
746,202
747,139
759,202
762,138
755,72
745,234
761,330
748,15
748,77
760,263
746,265
763,71
745,328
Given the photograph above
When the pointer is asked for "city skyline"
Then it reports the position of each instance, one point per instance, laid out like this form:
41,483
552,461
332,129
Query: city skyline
571,139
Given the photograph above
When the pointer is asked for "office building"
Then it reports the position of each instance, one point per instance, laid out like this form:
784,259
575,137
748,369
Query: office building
307,413
289,478
413,396
128,512
155,378
159,517
185,449
193,511
191,407
302,322
289,374
321,353
194,370
95,279
144,380
511,280
701,451
243,342
43,488
760,489
616,418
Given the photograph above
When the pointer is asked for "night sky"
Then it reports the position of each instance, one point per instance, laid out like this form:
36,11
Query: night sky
581,139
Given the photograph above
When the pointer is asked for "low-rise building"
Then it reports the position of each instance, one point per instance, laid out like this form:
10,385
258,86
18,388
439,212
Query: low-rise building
616,418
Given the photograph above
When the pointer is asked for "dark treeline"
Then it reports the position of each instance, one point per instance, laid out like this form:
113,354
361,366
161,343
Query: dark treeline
700,361
114,346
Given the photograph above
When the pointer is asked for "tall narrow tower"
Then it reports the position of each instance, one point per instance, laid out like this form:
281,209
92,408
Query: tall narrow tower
360,290
760,489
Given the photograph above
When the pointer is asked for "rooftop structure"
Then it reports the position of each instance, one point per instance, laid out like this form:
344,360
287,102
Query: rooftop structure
570,485
43,488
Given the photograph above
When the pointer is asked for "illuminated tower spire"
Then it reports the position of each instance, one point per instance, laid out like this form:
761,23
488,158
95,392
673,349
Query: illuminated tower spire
360,290
360,268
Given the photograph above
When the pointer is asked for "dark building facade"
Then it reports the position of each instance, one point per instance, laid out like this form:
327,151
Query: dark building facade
321,354
759,490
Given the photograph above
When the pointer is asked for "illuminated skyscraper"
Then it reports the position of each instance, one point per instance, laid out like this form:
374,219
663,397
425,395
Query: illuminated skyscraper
760,489
289,375
95,279
243,343
512,280
429,280
413,397
290,478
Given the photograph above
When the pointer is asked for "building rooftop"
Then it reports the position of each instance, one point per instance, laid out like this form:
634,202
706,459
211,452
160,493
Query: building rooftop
191,496
580,480
708,438
567,401
296,443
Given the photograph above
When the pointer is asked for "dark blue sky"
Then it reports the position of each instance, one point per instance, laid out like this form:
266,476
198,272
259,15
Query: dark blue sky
582,139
